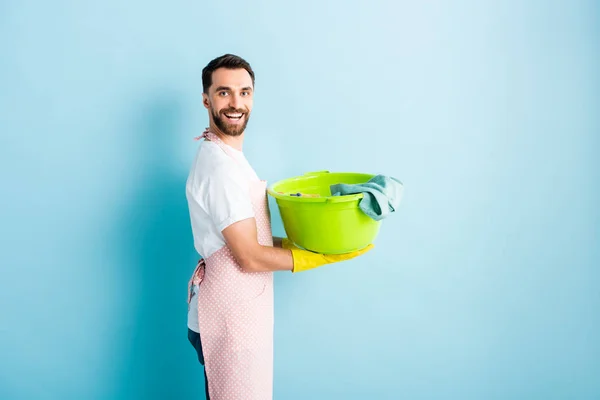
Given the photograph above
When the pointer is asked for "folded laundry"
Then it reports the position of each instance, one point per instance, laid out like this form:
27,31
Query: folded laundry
382,195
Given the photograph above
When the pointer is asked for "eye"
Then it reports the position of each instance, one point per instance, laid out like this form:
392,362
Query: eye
222,93
245,93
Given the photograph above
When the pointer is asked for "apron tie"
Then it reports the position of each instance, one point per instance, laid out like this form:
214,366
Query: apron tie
197,277
207,134
212,137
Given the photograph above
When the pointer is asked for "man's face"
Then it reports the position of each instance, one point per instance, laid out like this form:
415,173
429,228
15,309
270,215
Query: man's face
229,100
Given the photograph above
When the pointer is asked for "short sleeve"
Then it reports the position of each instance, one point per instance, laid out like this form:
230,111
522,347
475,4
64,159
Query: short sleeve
227,197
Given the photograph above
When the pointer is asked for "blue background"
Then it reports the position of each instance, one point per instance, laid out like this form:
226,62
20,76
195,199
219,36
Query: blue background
484,284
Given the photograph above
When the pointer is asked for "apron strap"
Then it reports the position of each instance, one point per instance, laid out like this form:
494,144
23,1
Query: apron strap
212,137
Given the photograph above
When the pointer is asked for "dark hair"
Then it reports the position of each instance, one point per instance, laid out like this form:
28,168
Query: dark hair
228,61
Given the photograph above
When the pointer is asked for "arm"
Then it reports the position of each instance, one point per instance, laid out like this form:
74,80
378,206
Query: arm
225,198
241,238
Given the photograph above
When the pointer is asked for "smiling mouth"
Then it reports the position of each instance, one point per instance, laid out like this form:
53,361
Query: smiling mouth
233,116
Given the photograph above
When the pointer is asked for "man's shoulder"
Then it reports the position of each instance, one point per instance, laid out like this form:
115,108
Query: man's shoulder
213,163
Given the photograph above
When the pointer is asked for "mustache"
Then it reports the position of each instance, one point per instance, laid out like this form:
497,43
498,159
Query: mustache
232,110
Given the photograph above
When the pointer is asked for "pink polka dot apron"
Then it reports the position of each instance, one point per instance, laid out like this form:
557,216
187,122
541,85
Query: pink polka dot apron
235,314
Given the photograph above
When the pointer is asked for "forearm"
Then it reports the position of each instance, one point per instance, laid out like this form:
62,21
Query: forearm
267,258
241,237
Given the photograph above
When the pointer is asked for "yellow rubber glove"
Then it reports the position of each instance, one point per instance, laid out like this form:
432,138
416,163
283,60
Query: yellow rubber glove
305,260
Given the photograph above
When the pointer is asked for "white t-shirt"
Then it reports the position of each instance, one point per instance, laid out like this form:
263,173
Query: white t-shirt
218,195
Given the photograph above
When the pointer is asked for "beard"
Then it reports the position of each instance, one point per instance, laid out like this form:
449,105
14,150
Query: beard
227,128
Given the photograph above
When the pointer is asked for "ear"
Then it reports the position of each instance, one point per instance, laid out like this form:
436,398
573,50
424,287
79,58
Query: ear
205,101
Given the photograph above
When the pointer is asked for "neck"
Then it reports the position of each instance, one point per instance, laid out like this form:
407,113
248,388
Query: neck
234,141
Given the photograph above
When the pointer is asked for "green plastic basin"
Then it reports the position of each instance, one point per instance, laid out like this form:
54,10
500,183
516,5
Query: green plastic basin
325,224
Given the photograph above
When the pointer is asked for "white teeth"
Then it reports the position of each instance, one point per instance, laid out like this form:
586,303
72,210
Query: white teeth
233,115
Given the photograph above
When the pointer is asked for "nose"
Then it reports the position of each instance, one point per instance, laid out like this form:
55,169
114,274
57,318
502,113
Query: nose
235,101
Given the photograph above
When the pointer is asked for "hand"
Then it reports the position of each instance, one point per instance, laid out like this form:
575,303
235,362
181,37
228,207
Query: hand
305,260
